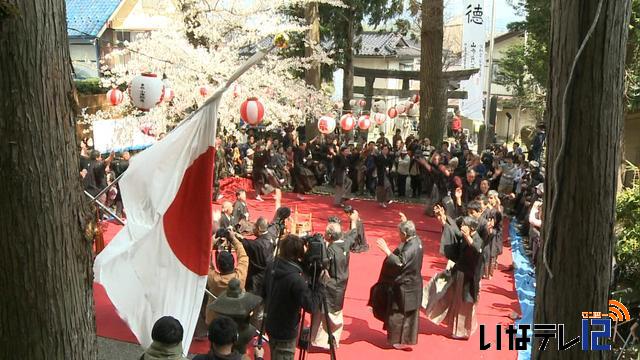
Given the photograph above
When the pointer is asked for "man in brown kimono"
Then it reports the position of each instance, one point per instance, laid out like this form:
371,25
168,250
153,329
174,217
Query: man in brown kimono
401,273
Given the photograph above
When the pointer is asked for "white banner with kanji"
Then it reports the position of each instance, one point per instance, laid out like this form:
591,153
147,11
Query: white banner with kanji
473,52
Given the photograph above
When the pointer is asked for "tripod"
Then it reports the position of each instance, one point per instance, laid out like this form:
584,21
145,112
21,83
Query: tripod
317,268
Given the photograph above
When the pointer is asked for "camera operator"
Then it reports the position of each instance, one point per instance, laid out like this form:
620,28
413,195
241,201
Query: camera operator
286,292
218,280
335,281
358,240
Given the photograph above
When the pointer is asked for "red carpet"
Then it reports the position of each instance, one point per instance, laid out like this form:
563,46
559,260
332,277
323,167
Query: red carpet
363,336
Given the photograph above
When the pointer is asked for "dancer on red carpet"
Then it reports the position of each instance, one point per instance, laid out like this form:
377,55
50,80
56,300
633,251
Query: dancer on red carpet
397,296
451,296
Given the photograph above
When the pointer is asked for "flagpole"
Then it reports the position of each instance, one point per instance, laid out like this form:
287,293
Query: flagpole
489,75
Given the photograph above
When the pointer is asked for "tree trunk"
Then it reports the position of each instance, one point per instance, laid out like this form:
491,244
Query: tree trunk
580,234
46,306
347,79
312,75
433,98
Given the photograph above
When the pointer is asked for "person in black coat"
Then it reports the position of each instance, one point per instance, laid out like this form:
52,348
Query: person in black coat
304,180
286,292
260,253
401,277
383,163
341,181
336,279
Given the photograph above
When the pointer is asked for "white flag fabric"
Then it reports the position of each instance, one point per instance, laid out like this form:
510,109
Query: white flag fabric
157,264
473,53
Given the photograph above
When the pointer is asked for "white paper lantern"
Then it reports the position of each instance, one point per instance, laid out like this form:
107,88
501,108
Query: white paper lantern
402,108
352,102
146,91
379,118
326,124
347,122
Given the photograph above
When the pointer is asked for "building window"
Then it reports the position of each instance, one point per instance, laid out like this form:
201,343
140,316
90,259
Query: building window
406,66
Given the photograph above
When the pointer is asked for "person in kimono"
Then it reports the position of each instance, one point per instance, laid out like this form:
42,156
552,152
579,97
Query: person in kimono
336,279
356,233
400,274
341,181
451,296
240,215
383,163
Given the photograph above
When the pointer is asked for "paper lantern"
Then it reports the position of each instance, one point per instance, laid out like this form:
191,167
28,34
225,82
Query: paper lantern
203,90
364,122
352,102
402,108
379,118
409,105
326,124
379,106
362,103
252,111
146,91
338,105
415,98
169,94
115,96
392,112
347,122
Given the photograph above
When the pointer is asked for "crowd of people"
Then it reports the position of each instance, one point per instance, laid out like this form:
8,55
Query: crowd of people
267,285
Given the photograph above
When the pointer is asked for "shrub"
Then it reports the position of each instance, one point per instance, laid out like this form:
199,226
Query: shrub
628,233
90,86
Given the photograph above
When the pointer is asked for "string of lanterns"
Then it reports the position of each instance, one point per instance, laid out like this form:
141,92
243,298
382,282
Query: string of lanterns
147,90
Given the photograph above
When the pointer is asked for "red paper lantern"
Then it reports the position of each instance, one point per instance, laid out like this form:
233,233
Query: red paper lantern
115,96
364,122
362,103
252,111
347,122
415,98
379,118
326,124
203,90
169,94
146,91
392,112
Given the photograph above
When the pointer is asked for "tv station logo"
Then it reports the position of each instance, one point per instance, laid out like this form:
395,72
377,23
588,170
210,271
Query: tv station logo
596,329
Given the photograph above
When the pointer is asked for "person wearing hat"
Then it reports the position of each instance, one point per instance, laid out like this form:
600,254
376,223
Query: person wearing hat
167,336
342,182
238,305
247,163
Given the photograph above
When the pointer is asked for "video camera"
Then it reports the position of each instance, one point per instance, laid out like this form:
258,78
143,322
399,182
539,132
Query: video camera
316,257
222,239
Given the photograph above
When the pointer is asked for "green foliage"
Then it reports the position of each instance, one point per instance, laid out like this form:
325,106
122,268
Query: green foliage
628,233
335,21
90,86
632,87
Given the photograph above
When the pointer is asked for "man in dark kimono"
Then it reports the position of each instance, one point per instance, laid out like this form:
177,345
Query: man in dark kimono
401,274
335,285
226,216
240,215
304,179
260,252
356,235
340,179
383,163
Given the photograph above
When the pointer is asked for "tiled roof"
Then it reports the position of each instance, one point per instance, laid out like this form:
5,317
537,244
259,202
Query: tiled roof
89,16
385,44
